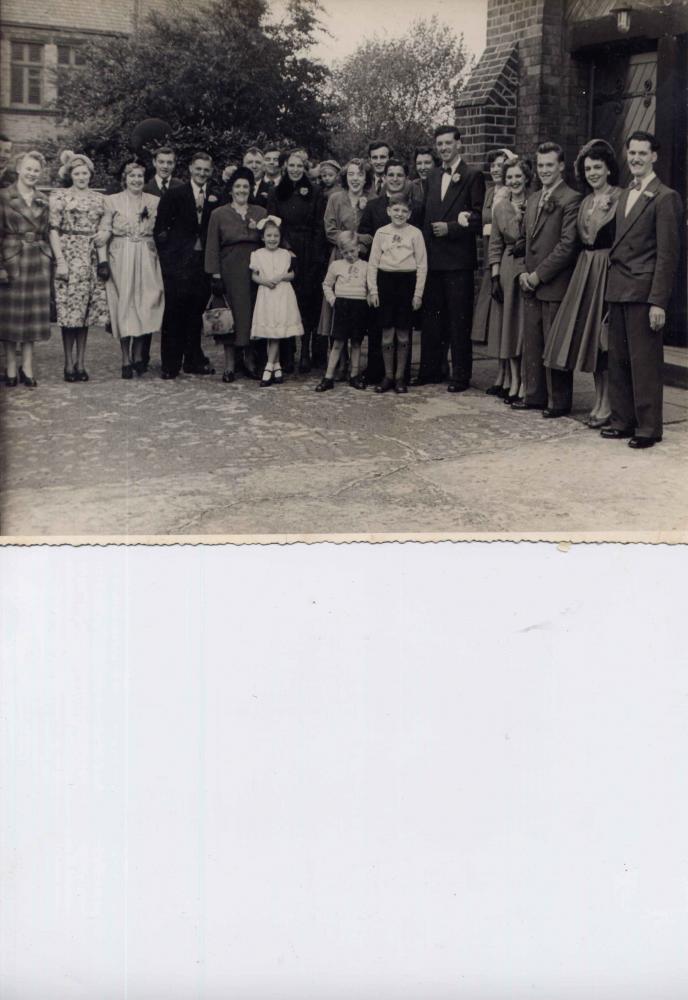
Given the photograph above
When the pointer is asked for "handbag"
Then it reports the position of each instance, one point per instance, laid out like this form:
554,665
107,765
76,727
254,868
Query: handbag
218,322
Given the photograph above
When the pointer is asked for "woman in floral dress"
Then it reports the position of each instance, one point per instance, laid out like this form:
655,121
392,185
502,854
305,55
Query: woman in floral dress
135,294
76,215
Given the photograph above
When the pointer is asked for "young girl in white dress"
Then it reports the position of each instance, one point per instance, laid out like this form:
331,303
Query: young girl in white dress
276,313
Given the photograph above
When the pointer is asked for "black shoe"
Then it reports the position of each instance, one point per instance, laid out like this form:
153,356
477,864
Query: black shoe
127,371
11,382
400,387
385,385
552,414
455,386
495,390
357,382
424,380
510,400
167,375
615,433
70,376
201,369
30,383
637,442
304,366
267,379
227,375
139,367
520,404
325,384
81,375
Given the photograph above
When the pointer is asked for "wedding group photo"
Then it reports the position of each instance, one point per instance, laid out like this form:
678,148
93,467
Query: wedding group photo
319,268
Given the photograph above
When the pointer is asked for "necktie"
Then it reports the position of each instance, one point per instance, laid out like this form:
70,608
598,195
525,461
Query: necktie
378,185
447,170
164,184
200,201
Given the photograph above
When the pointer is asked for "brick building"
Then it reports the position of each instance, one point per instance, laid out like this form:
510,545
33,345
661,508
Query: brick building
37,36
569,70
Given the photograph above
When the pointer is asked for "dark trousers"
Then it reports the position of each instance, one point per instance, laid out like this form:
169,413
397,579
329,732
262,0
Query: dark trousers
543,386
145,347
636,358
186,297
447,322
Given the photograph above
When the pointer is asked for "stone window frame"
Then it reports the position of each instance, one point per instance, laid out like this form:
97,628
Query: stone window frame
26,65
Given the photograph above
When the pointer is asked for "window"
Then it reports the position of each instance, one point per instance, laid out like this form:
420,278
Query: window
26,74
69,57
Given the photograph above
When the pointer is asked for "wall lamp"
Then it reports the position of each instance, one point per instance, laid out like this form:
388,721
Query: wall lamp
623,18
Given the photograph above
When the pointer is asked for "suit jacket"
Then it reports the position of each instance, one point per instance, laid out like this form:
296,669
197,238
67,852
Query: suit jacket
177,228
457,250
375,217
644,256
552,243
261,196
152,187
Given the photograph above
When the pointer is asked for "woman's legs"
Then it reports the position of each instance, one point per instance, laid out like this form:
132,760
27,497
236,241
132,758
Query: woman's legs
229,357
81,338
11,359
27,359
69,335
515,377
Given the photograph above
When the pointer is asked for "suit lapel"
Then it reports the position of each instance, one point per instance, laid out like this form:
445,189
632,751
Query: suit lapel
626,221
453,191
20,206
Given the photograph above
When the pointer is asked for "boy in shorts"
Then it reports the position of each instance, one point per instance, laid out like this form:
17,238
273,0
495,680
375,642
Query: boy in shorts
346,289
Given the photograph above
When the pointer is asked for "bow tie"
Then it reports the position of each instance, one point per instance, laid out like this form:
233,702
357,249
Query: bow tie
635,184
448,170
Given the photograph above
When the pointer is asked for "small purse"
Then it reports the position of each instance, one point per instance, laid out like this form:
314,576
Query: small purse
218,322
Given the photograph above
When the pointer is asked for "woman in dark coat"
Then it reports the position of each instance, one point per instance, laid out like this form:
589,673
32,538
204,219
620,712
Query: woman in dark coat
578,338
299,204
232,237
25,263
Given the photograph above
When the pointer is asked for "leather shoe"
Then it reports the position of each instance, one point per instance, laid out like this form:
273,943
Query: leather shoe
637,442
400,387
167,375
495,390
418,380
455,386
385,385
615,433
552,414
520,404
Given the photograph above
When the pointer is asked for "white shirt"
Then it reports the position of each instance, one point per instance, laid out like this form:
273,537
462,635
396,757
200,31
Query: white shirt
446,177
635,193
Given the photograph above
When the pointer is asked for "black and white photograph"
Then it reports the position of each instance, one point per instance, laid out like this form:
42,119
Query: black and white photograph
343,269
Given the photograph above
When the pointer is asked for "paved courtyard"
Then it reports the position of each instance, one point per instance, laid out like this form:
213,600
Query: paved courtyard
197,457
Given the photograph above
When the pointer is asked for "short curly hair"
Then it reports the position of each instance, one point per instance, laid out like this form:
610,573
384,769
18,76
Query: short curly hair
525,164
363,166
596,150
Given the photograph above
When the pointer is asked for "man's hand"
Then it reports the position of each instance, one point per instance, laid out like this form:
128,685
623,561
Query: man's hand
374,300
465,219
417,303
657,318
523,282
216,285
440,228
533,280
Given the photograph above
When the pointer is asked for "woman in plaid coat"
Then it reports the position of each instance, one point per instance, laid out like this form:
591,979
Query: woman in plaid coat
25,261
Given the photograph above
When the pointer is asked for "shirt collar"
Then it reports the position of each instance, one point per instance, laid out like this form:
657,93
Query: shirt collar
647,180
196,189
548,192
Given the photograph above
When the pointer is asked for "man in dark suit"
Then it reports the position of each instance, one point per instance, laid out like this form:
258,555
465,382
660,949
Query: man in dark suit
164,161
181,228
551,250
374,217
379,154
642,269
452,218
262,186
424,160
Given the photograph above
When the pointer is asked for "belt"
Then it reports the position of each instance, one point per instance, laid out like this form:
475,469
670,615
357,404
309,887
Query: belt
76,232
133,239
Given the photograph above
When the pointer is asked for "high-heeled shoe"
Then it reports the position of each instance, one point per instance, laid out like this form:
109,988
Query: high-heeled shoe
70,376
27,380
11,382
81,375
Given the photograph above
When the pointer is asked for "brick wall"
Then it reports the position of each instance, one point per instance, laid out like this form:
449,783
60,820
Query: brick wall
543,87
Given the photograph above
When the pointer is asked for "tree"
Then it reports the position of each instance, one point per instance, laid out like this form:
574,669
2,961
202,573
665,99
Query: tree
222,77
399,88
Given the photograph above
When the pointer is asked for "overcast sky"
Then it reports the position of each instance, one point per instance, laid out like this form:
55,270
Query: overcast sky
352,21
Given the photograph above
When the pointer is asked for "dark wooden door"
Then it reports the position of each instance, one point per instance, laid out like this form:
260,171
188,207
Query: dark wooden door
625,100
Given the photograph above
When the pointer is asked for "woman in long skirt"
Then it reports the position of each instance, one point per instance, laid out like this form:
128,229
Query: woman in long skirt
487,317
135,294
25,263
507,248
578,338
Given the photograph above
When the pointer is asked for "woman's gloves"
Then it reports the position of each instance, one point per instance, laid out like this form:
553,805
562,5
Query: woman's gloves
497,290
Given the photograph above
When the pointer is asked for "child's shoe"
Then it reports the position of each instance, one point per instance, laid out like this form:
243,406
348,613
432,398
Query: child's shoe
266,379
277,376
324,384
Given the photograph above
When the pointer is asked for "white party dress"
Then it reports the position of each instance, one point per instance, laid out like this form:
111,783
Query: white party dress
276,313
